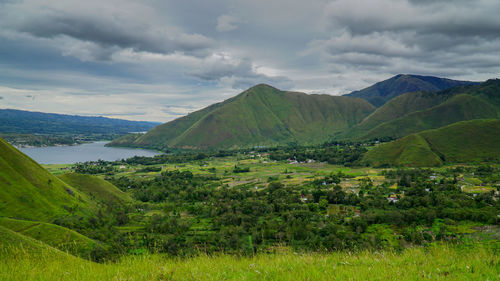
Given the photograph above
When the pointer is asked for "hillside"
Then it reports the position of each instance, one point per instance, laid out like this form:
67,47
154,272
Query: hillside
96,188
381,92
28,191
28,122
396,108
467,141
53,235
260,116
419,111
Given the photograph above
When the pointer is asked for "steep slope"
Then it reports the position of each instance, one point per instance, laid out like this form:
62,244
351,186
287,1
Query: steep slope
28,122
467,141
14,244
459,108
396,108
381,92
28,191
415,112
96,188
53,235
260,116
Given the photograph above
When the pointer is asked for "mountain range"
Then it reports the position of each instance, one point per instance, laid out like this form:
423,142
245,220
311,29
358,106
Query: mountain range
266,116
29,122
381,92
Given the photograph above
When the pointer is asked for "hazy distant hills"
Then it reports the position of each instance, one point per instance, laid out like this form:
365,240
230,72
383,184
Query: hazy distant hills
462,142
28,122
381,92
259,116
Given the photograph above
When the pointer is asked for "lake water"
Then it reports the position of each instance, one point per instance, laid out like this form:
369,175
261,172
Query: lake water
81,153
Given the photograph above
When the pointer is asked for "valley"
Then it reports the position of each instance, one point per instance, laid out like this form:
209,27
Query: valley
291,187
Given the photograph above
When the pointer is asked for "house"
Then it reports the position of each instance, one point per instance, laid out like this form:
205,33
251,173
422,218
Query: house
393,198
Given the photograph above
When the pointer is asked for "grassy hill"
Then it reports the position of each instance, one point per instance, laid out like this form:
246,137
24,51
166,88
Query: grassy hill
467,141
260,116
381,92
96,188
394,109
56,236
419,111
28,191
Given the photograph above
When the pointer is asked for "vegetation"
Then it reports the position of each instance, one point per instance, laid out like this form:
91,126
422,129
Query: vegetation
462,142
381,92
260,116
436,262
281,206
457,104
30,192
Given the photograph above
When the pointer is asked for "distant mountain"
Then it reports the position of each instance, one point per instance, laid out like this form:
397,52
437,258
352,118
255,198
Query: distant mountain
259,116
462,142
28,122
414,112
381,92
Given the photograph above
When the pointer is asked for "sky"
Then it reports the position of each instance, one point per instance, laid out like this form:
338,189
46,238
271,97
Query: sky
158,60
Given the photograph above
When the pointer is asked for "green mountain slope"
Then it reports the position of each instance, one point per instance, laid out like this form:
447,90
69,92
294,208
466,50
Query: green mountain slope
13,244
261,115
467,141
459,108
53,235
415,112
28,191
396,108
381,92
96,188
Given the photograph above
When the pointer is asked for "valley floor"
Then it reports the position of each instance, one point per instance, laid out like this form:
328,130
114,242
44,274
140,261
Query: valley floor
434,262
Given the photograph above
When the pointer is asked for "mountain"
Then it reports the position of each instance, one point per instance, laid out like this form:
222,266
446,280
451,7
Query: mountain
417,111
28,122
463,142
259,116
381,92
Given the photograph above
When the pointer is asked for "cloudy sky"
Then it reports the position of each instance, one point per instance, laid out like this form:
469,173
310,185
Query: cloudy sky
160,59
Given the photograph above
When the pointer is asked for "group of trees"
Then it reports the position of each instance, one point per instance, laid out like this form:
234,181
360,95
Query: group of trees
204,214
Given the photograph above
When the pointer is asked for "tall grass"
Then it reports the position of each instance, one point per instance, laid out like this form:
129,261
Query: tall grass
436,262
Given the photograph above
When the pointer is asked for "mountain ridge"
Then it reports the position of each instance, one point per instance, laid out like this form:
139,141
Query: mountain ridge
381,92
259,116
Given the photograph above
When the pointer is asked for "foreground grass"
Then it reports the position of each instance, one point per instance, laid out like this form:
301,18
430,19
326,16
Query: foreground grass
436,262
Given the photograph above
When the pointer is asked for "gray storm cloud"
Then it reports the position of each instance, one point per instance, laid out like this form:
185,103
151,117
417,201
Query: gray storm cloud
197,53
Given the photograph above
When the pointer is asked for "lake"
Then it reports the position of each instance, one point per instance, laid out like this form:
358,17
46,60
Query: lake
81,153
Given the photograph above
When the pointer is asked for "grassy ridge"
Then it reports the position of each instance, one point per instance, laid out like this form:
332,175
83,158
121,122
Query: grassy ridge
459,108
56,236
96,188
261,115
415,112
396,108
467,141
436,262
383,91
28,191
